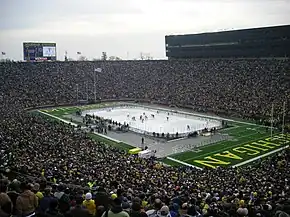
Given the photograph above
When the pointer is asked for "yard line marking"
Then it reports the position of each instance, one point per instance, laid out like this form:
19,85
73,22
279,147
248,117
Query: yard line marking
260,156
184,163
174,140
244,129
230,128
240,144
213,144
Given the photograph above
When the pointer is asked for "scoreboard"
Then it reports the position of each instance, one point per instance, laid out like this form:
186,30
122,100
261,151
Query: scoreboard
39,51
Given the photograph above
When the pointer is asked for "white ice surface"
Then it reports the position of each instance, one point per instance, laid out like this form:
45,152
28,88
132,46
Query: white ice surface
158,124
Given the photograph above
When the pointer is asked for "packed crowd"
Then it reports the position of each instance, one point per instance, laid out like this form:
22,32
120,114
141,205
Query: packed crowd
59,171
241,87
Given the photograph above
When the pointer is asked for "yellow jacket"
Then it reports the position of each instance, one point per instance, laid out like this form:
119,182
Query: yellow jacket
90,206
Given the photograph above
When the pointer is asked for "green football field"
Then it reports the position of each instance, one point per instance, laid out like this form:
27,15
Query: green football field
248,142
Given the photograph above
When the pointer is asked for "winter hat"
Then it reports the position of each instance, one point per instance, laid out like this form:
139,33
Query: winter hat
136,206
157,203
39,195
36,187
241,203
137,200
243,211
15,185
89,196
58,195
117,202
164,211
267,206
125,205
281,214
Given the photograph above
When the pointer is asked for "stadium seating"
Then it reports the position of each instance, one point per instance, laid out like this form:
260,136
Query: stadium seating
37,150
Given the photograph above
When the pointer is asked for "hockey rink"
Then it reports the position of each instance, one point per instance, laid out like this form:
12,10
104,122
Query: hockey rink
153,120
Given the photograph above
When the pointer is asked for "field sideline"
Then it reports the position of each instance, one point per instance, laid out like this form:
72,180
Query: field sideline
248,141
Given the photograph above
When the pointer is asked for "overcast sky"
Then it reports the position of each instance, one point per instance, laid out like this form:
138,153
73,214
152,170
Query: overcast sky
126,27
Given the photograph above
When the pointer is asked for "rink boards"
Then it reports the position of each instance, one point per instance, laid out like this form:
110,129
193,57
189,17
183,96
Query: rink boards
248,142
145,120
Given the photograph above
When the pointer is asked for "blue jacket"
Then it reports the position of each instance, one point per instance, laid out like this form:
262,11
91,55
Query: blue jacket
44,203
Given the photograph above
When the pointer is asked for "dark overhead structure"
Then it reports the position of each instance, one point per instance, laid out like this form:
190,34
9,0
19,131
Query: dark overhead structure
246,43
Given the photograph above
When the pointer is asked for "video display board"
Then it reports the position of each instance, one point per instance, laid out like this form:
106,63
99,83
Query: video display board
33,51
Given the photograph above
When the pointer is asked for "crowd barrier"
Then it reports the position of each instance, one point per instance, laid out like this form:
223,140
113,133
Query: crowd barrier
189,147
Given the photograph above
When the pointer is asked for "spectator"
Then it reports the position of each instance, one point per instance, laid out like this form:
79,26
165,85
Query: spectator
156,208
34,146
192,212
101,198
281,214
13,193
126,206
116,210
63,199
35,190
89,204
46,200
78,210
26,202
174,210
53,211
164,212
137,211
100,211
6,206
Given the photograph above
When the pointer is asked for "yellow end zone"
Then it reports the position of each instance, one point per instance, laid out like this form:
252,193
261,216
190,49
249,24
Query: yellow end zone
252,149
